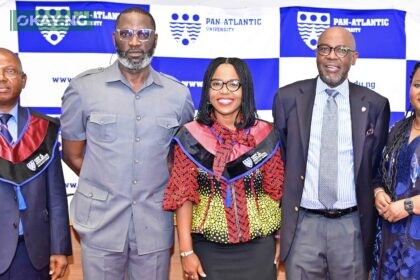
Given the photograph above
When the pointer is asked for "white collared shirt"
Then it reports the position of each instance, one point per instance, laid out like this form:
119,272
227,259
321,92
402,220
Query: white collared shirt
346,194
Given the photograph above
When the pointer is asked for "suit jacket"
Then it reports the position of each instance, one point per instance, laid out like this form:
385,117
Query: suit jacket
45,220
292,112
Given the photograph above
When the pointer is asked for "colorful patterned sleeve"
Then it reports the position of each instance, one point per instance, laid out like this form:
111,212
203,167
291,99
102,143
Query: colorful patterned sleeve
273,176
182,185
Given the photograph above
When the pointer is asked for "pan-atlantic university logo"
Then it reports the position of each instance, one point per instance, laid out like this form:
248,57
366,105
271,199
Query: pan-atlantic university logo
56,32
311,25
185,28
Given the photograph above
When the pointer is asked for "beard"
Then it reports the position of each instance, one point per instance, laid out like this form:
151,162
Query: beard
132,64
333,81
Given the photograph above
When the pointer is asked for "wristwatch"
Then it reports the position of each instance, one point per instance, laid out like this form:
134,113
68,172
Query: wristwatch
408,205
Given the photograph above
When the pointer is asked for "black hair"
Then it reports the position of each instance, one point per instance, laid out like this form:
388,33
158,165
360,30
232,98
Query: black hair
248,112
416,67
388,168
136,10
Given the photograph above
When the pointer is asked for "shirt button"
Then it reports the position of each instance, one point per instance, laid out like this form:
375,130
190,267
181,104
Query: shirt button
137,97
138,118
136,161
138,139
134,182
134,202
296,208
302,177
90,194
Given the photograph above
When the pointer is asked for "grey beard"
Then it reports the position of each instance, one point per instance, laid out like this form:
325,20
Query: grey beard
135,66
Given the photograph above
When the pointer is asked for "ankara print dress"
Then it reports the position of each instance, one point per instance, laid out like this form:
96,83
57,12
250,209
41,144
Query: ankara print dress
397,246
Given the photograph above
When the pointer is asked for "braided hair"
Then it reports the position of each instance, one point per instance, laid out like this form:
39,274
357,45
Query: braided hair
388,167
391,153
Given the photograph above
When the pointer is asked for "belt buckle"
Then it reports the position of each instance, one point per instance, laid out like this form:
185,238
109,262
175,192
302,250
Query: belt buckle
332,214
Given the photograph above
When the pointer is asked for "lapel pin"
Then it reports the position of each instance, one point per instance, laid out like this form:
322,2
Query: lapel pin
363,109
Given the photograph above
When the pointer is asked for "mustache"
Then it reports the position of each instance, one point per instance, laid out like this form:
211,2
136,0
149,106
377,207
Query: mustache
127,52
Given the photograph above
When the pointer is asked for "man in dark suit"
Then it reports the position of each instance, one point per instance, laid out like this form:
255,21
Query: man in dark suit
34,225
328,219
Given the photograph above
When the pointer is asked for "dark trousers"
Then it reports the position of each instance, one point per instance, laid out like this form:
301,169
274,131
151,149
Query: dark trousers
21,267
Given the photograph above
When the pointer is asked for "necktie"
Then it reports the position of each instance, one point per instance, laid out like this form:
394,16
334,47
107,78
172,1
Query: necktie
4,131
327,184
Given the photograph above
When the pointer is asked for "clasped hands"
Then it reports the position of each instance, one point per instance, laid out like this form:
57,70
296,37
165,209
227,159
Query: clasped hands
392,211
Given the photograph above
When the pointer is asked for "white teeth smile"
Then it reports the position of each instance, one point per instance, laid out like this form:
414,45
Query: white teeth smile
331,67
225,101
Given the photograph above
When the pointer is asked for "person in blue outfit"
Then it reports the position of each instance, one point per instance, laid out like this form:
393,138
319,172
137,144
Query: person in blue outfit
34,223
397,197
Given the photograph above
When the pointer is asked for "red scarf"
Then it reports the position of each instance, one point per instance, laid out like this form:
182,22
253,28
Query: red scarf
226,140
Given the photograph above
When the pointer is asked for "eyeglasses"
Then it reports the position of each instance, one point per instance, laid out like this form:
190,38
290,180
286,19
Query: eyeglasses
11,73
340,51
142,34
232,85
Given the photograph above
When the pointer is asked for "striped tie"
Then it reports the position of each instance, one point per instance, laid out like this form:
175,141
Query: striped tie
4,131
